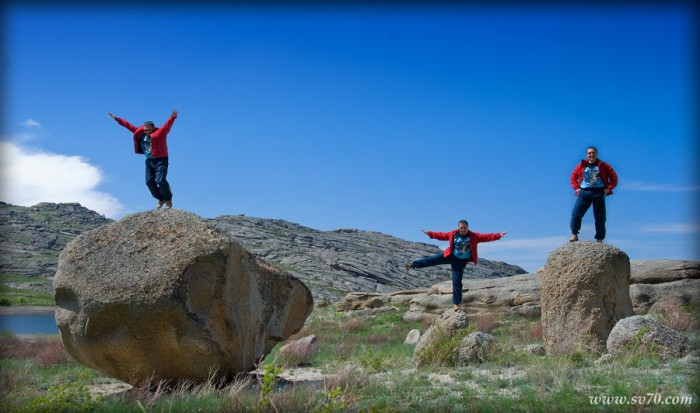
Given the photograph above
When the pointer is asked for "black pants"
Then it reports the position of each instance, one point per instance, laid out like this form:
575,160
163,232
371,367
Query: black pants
585,198
457,271
156,172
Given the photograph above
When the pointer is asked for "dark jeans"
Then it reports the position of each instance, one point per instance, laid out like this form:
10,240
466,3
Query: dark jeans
156,172
457,271
584,200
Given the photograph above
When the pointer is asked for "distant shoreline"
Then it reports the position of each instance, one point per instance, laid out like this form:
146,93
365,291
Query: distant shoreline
26,310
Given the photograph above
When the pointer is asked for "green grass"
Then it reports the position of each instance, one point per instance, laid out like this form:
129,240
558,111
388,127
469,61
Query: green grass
17,297
369,369
24,297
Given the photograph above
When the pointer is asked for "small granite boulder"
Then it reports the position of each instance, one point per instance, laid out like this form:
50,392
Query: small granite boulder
643,333
474,347
448,325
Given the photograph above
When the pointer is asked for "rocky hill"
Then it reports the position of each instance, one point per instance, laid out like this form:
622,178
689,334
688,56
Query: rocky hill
333,263
32,237
330,263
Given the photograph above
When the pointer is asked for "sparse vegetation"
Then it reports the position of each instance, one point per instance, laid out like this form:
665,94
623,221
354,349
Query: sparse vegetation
38,295
366,368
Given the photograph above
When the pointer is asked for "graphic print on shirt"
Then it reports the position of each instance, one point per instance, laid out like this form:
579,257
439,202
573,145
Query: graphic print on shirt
461,249
146,145
591,177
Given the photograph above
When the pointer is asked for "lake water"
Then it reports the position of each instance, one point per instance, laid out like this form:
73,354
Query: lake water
28,324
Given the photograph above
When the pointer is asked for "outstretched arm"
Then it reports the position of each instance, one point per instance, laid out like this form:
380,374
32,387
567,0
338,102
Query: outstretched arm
443,236
123,122
478,237
169,123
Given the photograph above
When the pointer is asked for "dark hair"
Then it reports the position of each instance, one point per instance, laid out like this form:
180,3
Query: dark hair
463,221
592,147
149,123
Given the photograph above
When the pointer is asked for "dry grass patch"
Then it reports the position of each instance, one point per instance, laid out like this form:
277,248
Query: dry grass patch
43,351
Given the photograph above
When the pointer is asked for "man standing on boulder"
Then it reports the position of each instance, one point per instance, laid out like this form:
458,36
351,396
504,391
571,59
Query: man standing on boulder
152,141
593,180
462,249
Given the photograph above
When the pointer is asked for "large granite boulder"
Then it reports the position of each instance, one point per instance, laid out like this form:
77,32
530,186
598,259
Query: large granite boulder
165,295
584,292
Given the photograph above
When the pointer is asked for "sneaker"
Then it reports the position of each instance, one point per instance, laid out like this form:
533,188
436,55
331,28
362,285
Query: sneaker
573,238
408,267
169,204
160,204
456,307
599,241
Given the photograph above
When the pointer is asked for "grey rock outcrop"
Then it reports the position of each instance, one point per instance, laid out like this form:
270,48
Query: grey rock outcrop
165,295
656,283
661,284
32,237
584,292
644,334
514,295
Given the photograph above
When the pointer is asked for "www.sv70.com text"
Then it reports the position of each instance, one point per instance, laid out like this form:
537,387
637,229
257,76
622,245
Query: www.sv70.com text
649,398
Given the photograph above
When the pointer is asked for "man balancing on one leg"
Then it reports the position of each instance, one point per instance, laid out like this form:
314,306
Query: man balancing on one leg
152,141
462,250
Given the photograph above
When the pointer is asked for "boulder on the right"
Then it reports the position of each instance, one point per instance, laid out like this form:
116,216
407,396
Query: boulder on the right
584,291
644,334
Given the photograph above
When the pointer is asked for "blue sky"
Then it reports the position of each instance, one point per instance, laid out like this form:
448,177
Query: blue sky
391,118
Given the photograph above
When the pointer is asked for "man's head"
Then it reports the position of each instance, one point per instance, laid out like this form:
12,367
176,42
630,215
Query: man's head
463,227
592,154
148,127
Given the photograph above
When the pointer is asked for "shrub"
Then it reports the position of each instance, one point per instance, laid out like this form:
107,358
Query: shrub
374,362
44,351
486,322
378,338
535,332
5,302
672,314
352,325
267,381
69,397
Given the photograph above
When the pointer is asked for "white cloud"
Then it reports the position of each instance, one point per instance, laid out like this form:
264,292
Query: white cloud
32,123
672,228
29,177
652,187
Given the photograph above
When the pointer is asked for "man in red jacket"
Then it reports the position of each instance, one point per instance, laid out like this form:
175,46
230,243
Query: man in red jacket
152,142
593,180
462,249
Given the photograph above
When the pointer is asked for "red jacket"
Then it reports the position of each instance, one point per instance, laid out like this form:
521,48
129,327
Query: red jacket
159,136
474,239
607,174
